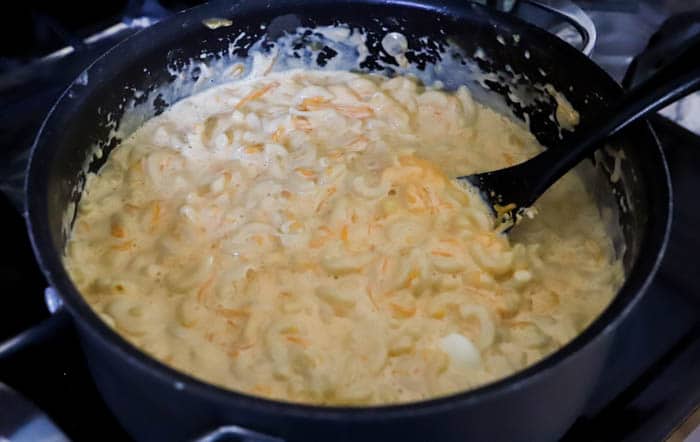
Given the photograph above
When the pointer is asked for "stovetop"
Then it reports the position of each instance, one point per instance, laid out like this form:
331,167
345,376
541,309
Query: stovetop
652,380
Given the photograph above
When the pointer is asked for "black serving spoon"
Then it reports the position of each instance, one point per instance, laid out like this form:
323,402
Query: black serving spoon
509,191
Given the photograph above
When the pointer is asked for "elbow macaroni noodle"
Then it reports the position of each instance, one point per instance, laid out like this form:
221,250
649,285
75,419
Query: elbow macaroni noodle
297,236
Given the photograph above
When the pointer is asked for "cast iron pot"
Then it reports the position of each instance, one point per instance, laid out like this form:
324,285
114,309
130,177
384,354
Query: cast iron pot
154,402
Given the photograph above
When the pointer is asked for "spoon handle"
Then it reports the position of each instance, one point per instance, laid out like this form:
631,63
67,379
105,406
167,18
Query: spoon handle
524,183
678,79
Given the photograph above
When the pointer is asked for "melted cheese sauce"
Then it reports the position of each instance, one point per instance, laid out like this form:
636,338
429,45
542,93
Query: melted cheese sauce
298,236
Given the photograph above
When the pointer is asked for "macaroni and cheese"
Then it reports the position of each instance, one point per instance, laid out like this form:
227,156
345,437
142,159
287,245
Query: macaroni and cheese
300,236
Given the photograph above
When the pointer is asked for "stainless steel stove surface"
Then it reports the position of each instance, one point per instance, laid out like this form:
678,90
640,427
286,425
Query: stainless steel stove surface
652,380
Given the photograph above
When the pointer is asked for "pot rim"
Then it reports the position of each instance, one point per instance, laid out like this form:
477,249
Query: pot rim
650,256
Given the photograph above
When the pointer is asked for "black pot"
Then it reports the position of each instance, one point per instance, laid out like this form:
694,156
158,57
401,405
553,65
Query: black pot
155,402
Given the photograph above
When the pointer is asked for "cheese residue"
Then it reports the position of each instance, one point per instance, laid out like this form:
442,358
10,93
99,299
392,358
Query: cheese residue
567,117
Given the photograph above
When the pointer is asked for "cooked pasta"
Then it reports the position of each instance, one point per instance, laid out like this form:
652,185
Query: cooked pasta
298,236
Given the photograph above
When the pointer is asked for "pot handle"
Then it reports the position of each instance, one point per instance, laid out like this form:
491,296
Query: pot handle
234,433
41,333
572,14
